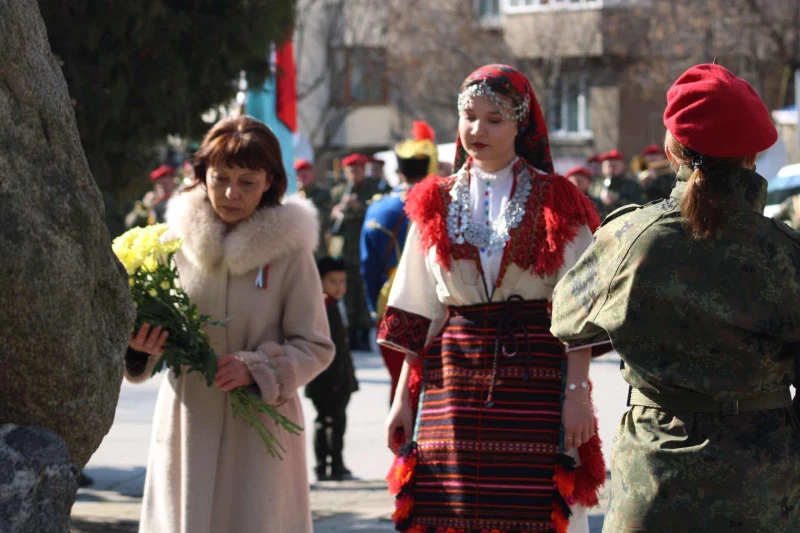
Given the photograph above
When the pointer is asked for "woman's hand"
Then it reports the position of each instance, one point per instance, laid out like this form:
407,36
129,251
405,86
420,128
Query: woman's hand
232,374
149,340
400,417
578,419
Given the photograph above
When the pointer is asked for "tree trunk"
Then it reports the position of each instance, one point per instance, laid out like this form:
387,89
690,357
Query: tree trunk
65,309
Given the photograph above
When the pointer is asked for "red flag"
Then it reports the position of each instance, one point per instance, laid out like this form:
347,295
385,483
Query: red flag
286,85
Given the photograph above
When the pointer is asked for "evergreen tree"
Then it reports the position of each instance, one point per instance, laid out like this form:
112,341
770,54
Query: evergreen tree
138,70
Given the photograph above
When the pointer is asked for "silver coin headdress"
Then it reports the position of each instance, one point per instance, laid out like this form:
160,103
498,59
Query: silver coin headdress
507,111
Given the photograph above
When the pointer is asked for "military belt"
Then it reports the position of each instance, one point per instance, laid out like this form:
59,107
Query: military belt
698,403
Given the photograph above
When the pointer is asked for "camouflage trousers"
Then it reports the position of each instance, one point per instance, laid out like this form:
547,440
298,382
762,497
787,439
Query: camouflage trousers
705,473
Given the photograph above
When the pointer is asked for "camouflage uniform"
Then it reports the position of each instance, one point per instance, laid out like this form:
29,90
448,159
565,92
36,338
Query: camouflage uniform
700,320
790,211
321,198
355,298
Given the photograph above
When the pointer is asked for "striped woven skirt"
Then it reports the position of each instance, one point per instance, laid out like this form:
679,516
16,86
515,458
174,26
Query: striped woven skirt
486,449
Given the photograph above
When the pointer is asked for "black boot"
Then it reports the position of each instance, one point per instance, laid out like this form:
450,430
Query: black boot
340,473
322,473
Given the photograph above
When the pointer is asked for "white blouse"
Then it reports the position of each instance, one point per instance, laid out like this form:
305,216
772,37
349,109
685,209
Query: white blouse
489,193
424,288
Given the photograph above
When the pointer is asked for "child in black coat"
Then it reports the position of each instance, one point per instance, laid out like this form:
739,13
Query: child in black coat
330,391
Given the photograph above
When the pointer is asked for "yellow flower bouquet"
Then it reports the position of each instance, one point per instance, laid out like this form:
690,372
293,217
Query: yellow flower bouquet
161,301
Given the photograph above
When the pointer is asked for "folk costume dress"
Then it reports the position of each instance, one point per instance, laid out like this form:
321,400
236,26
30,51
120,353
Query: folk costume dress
488,383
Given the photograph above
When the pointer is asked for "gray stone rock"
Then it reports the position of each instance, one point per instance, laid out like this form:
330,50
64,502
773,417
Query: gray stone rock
38,483
65,310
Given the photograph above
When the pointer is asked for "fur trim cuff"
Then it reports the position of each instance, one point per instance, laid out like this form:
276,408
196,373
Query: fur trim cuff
265,376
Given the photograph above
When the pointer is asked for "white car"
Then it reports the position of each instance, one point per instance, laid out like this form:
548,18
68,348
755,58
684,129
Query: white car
784,185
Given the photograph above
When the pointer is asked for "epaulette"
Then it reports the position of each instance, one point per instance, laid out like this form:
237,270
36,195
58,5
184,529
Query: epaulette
376,197
787,229
618,212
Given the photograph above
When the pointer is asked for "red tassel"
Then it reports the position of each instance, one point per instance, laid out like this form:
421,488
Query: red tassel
425,207
403,507
560,522
565,481
565,210
401,472
590,476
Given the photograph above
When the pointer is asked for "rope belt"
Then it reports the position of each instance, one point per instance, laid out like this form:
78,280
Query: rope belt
698,403
509,326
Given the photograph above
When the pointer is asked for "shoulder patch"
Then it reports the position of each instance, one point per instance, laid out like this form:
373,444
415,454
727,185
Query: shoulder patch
375,198
619,212
787,229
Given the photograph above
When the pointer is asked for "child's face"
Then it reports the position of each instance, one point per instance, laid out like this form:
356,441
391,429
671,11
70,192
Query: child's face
334,284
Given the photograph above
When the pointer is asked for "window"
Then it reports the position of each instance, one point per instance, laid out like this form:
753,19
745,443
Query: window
569,110
488,13
488,9
358,76
526,6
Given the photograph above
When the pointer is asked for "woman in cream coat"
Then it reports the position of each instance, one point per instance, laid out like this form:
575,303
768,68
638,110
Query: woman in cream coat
248,257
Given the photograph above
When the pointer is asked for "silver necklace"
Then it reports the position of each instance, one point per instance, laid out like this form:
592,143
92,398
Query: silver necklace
490,237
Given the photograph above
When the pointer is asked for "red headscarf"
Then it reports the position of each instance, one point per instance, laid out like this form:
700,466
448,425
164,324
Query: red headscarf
532,143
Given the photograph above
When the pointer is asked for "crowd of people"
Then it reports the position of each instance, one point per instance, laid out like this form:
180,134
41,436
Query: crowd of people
492,289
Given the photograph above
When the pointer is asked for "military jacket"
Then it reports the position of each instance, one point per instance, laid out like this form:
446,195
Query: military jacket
353,220
719,317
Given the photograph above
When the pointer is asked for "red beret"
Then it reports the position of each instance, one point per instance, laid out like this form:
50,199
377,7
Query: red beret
612,155
303,164
653,149
578,171
164,171
596,158
376,161
715,113
354,159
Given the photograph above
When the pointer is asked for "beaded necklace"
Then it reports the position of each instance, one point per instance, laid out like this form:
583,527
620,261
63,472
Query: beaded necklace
492,236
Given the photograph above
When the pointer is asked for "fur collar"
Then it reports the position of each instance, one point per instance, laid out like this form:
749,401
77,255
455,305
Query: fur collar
269,234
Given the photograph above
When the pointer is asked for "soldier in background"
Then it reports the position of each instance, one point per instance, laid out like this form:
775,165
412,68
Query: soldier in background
347,217
385,229
581,177
376,174
163,180
619,188
657,178
594,164
153,207
319,196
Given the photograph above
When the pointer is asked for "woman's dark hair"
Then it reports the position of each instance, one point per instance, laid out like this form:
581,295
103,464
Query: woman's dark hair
246,143
698,209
